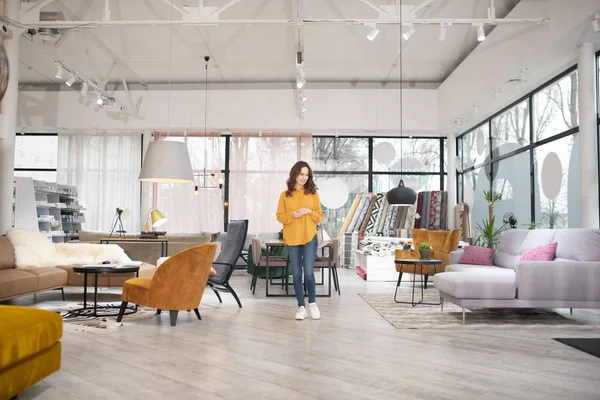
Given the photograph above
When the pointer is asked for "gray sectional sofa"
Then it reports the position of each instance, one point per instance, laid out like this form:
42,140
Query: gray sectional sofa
571,280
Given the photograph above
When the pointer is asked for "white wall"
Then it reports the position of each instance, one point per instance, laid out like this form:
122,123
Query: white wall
272,110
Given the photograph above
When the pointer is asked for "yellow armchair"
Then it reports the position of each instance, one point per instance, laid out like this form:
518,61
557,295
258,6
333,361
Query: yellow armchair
178,284
442,243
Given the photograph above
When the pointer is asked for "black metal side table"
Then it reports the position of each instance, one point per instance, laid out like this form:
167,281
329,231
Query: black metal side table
416,263
97,269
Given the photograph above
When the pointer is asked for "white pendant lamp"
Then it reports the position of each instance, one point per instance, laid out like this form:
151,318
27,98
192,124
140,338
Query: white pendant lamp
167,161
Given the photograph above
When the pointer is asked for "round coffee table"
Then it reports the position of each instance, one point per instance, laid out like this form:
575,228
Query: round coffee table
416,262
97,269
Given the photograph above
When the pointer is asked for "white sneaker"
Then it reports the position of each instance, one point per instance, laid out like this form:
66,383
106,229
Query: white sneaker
301,313
314,311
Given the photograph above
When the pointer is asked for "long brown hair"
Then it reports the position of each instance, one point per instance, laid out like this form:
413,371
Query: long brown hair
309,186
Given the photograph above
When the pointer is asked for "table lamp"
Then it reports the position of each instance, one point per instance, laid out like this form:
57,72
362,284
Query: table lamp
158,219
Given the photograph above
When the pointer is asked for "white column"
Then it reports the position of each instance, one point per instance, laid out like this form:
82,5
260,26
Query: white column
146,186
588,118
8,106
451,157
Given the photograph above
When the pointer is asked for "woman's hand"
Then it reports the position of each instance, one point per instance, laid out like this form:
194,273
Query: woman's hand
297,213
305,211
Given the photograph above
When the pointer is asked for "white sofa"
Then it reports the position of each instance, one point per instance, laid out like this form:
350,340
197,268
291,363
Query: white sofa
571,280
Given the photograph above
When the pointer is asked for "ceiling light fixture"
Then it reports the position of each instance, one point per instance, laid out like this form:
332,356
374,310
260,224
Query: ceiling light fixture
59,72
409,32
443,31
84,88
374,32
401,195
71,80
480,33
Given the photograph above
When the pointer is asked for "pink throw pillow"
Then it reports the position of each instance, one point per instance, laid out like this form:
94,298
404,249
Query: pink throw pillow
541,253
476,255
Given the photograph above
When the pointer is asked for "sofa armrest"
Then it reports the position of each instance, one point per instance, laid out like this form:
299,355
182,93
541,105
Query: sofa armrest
455,256
558,280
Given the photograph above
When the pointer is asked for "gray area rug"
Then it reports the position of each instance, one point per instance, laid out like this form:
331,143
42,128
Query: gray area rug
86,321
405,316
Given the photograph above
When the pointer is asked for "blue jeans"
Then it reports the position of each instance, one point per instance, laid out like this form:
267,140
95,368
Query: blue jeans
303,257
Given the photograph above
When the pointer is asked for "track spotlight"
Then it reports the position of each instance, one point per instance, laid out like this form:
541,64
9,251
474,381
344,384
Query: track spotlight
303,98
373,34
443,31
59,72
480,33
596,24
99,100
409,32
71,80
84,88
300,83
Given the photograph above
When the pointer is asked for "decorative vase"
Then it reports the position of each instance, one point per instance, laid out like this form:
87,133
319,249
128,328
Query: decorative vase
424,253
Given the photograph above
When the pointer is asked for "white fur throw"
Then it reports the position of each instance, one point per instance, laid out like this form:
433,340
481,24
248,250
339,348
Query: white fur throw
32,249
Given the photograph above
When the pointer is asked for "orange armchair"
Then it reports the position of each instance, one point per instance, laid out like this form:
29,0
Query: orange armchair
178,284
442,243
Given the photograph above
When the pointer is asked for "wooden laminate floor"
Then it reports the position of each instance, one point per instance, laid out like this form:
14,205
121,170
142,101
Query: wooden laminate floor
261,352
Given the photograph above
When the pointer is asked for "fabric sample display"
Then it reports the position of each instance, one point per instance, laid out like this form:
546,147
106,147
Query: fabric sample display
349,216
463,221
381,217
369,210
357,214
374,216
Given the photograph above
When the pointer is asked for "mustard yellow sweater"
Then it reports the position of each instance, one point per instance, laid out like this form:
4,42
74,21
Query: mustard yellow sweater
298,231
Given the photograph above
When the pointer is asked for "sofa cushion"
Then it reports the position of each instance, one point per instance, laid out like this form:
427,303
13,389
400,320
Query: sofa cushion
476,255
578,244
536,238
49,277
469,267
26,331
508,250
474,284
541,253
7,256
14,282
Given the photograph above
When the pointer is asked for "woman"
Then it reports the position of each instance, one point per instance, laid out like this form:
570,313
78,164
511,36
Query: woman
299,210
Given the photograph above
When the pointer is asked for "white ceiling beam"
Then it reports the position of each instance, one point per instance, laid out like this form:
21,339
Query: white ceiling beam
225,7
374,6
37,7
175,7
416,21
421,6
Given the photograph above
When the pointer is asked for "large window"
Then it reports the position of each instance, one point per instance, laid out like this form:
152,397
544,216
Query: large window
533,163
36,155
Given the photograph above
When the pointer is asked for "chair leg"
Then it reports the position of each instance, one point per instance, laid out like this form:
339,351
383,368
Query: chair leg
158,310
336,281
217,293
197,314
425,284
62,291
122,311
234,294
173,317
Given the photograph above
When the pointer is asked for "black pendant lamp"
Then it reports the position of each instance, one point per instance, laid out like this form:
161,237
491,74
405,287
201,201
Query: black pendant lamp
401,195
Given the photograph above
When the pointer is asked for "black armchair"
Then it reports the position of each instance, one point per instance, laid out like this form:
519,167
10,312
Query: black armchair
231,248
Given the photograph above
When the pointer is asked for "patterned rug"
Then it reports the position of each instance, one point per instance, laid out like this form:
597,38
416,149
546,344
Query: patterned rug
85,321
405,316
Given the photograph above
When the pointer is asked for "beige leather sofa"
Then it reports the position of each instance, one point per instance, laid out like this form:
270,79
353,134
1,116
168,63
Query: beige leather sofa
149,252
15,282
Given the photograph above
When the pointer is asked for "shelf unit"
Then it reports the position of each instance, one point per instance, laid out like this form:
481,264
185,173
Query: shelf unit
51,208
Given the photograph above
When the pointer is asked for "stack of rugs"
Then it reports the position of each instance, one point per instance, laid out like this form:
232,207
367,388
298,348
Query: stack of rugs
433,209
370,214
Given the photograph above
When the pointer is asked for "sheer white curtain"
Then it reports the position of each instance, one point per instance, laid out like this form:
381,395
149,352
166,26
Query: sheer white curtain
105,167
185,211
259,168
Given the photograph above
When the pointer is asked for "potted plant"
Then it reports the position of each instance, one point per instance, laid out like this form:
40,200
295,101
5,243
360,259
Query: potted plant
489,233
424,250
531,225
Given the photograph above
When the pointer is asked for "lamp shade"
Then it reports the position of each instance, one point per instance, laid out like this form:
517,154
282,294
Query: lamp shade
167,162
158,218
401,196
